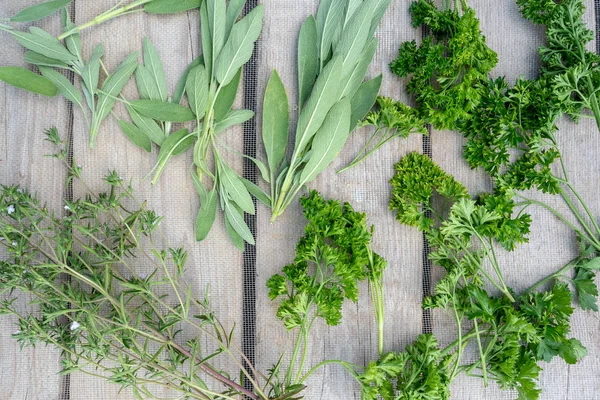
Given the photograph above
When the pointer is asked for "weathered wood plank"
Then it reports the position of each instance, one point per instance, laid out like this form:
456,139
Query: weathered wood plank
366,188
31,373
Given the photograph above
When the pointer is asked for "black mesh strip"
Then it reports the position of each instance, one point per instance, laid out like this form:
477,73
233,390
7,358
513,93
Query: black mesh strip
426,316
249,279
427,320
597,15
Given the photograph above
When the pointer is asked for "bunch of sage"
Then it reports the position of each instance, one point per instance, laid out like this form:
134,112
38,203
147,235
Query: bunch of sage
211,83
334,53
52,57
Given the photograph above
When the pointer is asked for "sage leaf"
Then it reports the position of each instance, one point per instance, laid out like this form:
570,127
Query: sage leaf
232,118
206,38
177,143
262,167
257,192
308,59
112,87
206,215
236,239
238,49
162,111
31,57
217,16
24,79
352,82
180,88
364,99
47,46
202,193
235,189
237,223
73,41
146,88
328,141
136,135
64,86
154,66
352,7
147,125
90,74
354,37
196,88
171,6
234,9
39,11
226,97
275,121
329,18
324,95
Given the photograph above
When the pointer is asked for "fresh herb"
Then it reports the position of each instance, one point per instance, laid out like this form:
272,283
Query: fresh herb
334,53
332,257
512,333
138,327
390,119
445,69
571,69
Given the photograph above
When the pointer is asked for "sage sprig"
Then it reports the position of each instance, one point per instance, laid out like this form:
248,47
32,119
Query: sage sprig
211,84
334,52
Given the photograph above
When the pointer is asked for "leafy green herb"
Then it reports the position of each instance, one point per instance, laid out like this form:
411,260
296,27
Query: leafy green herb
334,255
25,79
40,11
140,329
446,67
390,119
330,75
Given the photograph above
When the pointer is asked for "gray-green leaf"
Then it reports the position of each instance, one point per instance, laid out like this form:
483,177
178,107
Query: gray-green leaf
352,82
163,111
328,141
47,46
206,215
235,237
308,59
329,18
196,88
238,49
154,66
363,100
226,97
234,9
235,189
180,88
34,58
175,144
257,192
354,37
324,95
217,16
64,86
73,41
171,6
136,135
148,125
275,121
25,79
232,118
40,11
209,58
237,223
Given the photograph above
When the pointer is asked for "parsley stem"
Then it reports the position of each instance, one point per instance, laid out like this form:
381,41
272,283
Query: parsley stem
347,366
566,268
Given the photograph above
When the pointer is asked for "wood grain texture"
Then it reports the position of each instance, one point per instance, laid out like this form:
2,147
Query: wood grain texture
31,373
366,188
